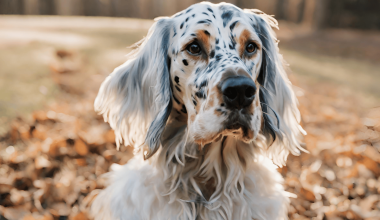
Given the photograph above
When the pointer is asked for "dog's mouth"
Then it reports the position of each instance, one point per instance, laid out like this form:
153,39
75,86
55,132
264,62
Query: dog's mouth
238,130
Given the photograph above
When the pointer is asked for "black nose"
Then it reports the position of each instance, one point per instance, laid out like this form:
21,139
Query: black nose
238,92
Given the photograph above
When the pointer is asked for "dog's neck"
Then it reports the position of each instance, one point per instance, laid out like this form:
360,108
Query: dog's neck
204,175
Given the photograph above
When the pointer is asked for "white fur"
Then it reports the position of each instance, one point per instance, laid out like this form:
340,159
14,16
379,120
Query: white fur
139,190
225,179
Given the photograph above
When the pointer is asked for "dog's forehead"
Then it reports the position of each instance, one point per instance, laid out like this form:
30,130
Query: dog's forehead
216,17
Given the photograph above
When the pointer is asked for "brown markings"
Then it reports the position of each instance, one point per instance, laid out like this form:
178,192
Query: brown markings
244,38
204,39
207,187
241,155
216,94
218,113
192,118
256,102
204,141
198,106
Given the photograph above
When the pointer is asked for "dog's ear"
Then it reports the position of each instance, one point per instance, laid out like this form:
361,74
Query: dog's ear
279,104
136,97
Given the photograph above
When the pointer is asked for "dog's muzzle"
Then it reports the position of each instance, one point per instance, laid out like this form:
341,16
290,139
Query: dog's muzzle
238,92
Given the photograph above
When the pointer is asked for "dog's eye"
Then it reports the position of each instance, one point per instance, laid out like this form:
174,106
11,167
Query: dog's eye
194,49
251,47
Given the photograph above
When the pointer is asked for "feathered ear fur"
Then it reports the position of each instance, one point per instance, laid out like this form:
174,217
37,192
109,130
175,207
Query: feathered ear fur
279,104
136,97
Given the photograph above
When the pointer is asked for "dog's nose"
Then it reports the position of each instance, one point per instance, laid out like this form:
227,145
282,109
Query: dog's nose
238,92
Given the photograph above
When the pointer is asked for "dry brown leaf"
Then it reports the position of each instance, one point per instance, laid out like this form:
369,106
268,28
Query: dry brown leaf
80,216
80,147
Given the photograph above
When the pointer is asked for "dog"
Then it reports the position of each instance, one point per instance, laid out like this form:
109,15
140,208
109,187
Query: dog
206,102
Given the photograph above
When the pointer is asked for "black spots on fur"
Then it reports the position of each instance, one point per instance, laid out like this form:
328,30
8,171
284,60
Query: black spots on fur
221,111
193,15
179,90
232,26
232,39
176,79
217,41
203,84
180,27
205,13
219,31
224,44
212,12
218,57
185,62
187,19
176,100
250,66
232,43
211,66
217,48
197,70
195,102
212,54
207,33
175,32
226,17
194,35
205,21
183,109
173,51
189,10
183,33
200,94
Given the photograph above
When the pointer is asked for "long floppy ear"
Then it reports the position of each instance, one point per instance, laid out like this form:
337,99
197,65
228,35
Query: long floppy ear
136,97
279,104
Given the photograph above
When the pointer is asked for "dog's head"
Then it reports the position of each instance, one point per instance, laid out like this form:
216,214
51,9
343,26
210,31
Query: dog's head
215,69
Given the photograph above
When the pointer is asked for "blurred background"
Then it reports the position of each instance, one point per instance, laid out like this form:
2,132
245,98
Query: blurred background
55,53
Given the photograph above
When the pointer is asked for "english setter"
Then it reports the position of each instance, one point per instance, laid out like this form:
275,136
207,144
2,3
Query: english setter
208,107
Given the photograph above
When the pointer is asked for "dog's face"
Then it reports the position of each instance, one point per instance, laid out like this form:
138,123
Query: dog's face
215,60
210,71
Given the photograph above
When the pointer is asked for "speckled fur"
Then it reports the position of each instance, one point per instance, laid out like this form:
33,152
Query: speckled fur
168,104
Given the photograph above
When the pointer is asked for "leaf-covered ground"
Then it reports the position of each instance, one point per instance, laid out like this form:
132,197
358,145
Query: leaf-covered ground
50,163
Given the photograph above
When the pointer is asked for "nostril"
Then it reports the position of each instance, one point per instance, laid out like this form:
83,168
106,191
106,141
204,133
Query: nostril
230,93
238,92
249,92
